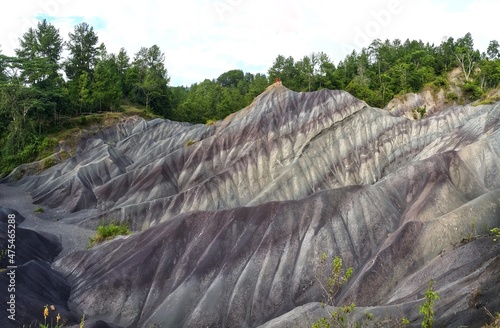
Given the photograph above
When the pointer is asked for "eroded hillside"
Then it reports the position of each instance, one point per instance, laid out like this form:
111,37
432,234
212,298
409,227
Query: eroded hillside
231,218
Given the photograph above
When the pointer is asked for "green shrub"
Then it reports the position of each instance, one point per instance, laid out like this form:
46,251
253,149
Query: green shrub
472,91
451,96
39,210
496,233
441,82
33,151
427,309
422,111
331,279
108,232
419,112
46,147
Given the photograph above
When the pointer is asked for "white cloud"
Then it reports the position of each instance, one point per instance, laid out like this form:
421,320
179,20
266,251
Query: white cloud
202,39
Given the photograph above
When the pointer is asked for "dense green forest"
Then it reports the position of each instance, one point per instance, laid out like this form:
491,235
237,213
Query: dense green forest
40,91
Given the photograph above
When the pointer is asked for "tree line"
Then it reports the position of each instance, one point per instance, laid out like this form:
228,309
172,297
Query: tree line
385,69
39,88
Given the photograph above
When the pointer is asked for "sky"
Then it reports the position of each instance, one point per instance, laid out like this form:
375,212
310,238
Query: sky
205,38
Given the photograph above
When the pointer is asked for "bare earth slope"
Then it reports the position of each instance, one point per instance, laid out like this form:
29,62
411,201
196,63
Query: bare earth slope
231,218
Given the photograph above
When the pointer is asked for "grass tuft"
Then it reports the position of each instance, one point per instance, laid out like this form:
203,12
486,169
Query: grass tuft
39,210
190,142
108,232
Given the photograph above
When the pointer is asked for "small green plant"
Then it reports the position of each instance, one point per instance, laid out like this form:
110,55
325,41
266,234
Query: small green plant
496,233
440,82
427,309
451,97
472,91
3,253
404,322
330,280
39,210
393,321
108,232
190,142
211,122
338,318
421,111
471,233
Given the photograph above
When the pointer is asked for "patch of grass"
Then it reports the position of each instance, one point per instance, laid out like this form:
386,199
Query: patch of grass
211,122
64,155
488,101
471,233
190,142
39,210
422,111
108,232
419,112
451,97
65,134
3,253
141,112
48,163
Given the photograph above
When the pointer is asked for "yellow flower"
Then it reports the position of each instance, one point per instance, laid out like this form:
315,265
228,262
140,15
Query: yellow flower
58,318
46,311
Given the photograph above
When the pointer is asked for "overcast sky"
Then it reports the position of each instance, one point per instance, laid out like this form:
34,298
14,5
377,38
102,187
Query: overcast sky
204,38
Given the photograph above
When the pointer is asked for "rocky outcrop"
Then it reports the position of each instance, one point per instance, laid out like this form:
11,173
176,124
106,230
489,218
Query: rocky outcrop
231,218
413,105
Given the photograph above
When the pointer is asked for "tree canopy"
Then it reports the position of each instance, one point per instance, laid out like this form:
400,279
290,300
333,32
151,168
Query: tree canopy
39,88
